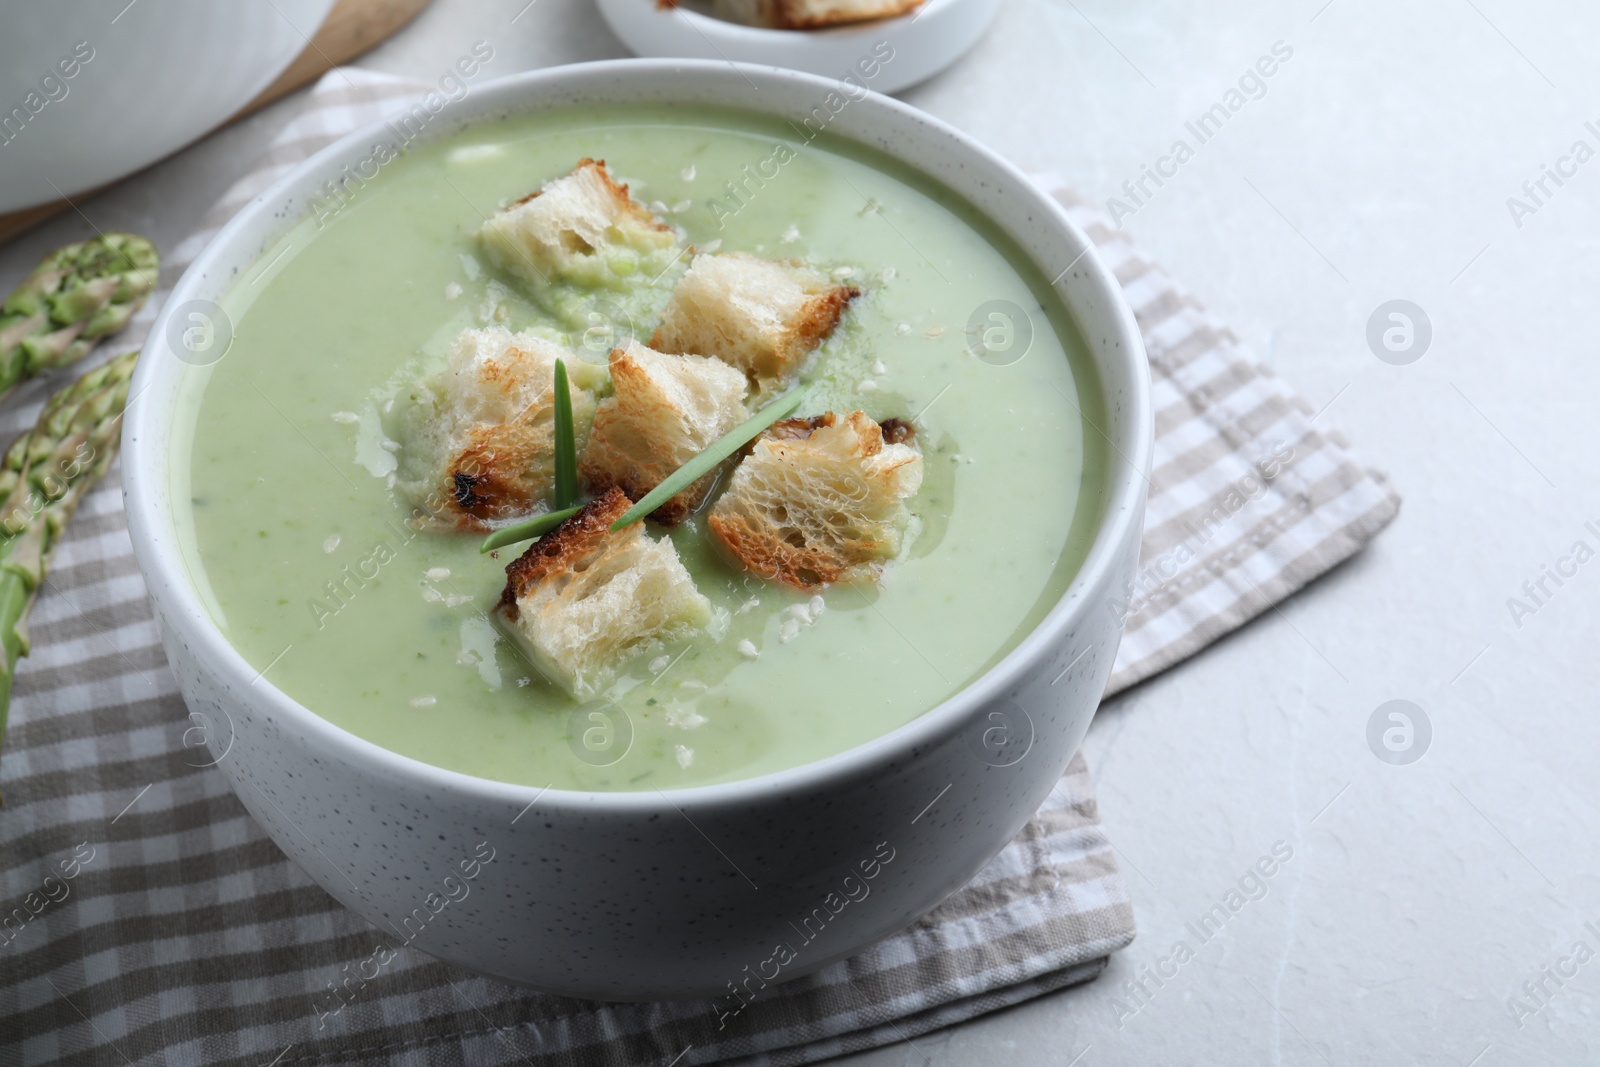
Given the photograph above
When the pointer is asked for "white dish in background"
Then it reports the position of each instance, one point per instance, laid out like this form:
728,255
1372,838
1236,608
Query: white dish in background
923,42
146,80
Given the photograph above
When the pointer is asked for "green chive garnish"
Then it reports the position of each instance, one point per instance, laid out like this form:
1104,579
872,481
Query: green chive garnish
526,531
715,453
566,443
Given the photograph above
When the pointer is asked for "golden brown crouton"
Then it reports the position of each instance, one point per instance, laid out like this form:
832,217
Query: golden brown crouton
666,409
582,228
583,599
819,500
481,440
810,14
761,315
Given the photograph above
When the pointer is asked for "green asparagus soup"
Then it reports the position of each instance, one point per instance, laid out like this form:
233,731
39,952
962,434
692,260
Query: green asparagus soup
298,540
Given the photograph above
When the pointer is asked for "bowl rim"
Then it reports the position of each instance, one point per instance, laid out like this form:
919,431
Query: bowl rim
180,606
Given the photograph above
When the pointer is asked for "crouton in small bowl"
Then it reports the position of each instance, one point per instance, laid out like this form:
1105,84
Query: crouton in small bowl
814,438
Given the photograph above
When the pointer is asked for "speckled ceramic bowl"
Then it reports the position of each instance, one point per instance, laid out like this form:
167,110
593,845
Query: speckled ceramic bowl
657,895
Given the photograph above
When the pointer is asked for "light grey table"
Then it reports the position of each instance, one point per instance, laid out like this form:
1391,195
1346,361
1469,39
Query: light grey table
1376,165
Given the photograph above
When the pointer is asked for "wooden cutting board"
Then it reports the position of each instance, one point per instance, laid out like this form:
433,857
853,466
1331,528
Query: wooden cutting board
351,28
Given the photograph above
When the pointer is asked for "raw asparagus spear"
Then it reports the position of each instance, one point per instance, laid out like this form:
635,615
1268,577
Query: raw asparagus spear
78,295
43,475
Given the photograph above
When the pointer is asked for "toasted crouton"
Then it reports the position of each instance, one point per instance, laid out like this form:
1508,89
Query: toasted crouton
761,315
819,500
809,14
666,409
481,440
584,599
582,228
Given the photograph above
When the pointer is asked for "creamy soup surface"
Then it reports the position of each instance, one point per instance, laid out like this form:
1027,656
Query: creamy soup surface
299,544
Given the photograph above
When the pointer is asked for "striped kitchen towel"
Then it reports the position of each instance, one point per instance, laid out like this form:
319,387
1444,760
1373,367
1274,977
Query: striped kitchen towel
145,918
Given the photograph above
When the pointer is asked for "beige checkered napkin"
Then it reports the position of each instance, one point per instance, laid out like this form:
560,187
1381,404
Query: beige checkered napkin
1248,501
185,936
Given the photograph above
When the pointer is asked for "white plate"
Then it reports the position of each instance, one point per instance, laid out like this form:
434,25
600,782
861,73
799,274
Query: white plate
921,43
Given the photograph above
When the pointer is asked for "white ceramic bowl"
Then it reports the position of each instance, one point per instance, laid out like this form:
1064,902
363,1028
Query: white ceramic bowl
146,79
923,42
656,895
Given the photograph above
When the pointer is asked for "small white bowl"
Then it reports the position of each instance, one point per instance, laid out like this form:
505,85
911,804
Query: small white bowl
922,43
